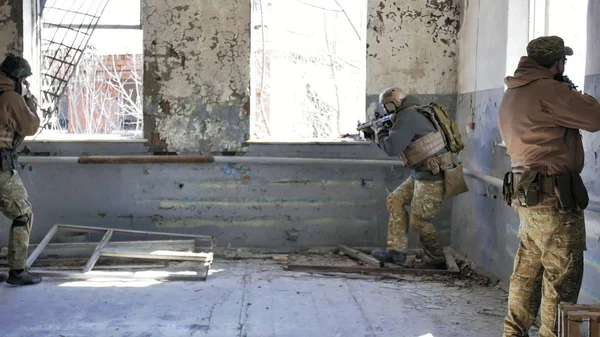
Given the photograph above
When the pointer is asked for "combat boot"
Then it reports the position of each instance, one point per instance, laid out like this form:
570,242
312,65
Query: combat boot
22,278
3,277
389,256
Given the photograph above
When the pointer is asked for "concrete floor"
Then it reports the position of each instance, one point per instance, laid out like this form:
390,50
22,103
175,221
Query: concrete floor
251,298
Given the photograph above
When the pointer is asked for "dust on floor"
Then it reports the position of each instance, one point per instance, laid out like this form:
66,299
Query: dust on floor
255,298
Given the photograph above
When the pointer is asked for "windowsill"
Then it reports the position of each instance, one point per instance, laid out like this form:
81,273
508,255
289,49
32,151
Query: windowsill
83,138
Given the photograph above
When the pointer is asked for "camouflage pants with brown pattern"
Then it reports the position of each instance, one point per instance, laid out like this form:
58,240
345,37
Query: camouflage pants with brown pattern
425,200
551,247
14,205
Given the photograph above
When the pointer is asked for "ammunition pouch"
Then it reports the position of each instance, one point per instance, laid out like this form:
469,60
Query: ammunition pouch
437,164
531,188
454,179
571,193
525,188
9,160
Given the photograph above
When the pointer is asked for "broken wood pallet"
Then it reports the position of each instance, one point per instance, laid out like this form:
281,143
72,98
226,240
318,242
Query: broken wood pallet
367,270
360,256
450,261
354,253
572,316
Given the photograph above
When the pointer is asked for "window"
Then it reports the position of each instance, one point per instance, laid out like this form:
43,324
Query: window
91,68
308,73
517,34
567,19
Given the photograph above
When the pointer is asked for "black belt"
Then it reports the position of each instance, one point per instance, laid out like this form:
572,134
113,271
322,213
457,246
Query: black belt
9,159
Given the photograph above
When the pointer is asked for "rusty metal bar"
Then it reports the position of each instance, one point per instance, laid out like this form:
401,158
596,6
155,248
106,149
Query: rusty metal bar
202,159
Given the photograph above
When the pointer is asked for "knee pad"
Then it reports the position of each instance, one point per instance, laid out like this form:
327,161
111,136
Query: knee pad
21,221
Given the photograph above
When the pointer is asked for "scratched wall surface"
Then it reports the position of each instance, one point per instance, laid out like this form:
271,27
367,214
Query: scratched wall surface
197,74
412,44
11,27
244,205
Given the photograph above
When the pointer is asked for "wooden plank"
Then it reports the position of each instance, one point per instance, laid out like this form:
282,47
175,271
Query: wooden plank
96,255
360,256
574,328
450,261
594,327
582,311
367,270
157,254
41,246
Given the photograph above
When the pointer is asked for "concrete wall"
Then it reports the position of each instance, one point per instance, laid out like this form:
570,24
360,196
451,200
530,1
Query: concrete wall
483,228
197,74
274,206
11,26
591,142
412,44
197,68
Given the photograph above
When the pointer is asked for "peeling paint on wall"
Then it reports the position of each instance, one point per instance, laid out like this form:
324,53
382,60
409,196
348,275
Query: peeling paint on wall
412,44
238,172
197,74
11,27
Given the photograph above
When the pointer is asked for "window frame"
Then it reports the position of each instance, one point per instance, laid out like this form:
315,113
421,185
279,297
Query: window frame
36,10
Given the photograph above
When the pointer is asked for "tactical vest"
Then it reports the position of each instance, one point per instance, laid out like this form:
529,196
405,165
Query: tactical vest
423,148
446,137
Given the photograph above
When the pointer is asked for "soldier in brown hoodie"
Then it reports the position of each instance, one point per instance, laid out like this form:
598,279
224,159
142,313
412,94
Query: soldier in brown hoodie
540,119
18,119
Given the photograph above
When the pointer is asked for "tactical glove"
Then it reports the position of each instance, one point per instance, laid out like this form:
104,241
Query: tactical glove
381,132
31,102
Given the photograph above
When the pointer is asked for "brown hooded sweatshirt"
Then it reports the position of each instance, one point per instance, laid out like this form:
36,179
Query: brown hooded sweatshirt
540,119
15,116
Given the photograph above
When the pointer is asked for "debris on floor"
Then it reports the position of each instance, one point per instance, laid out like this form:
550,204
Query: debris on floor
254,298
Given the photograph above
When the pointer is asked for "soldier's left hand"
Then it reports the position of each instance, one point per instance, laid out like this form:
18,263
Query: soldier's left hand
380,133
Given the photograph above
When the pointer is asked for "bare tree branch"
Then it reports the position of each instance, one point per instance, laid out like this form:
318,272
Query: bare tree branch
349,21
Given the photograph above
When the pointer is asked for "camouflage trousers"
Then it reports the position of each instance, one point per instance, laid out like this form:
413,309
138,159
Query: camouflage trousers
425,200
14,205
550,251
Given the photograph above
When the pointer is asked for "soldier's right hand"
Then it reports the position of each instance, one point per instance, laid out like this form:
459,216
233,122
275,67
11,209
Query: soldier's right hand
31,102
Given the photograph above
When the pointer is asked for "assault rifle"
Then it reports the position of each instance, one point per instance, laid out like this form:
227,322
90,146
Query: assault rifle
568,81
368,128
